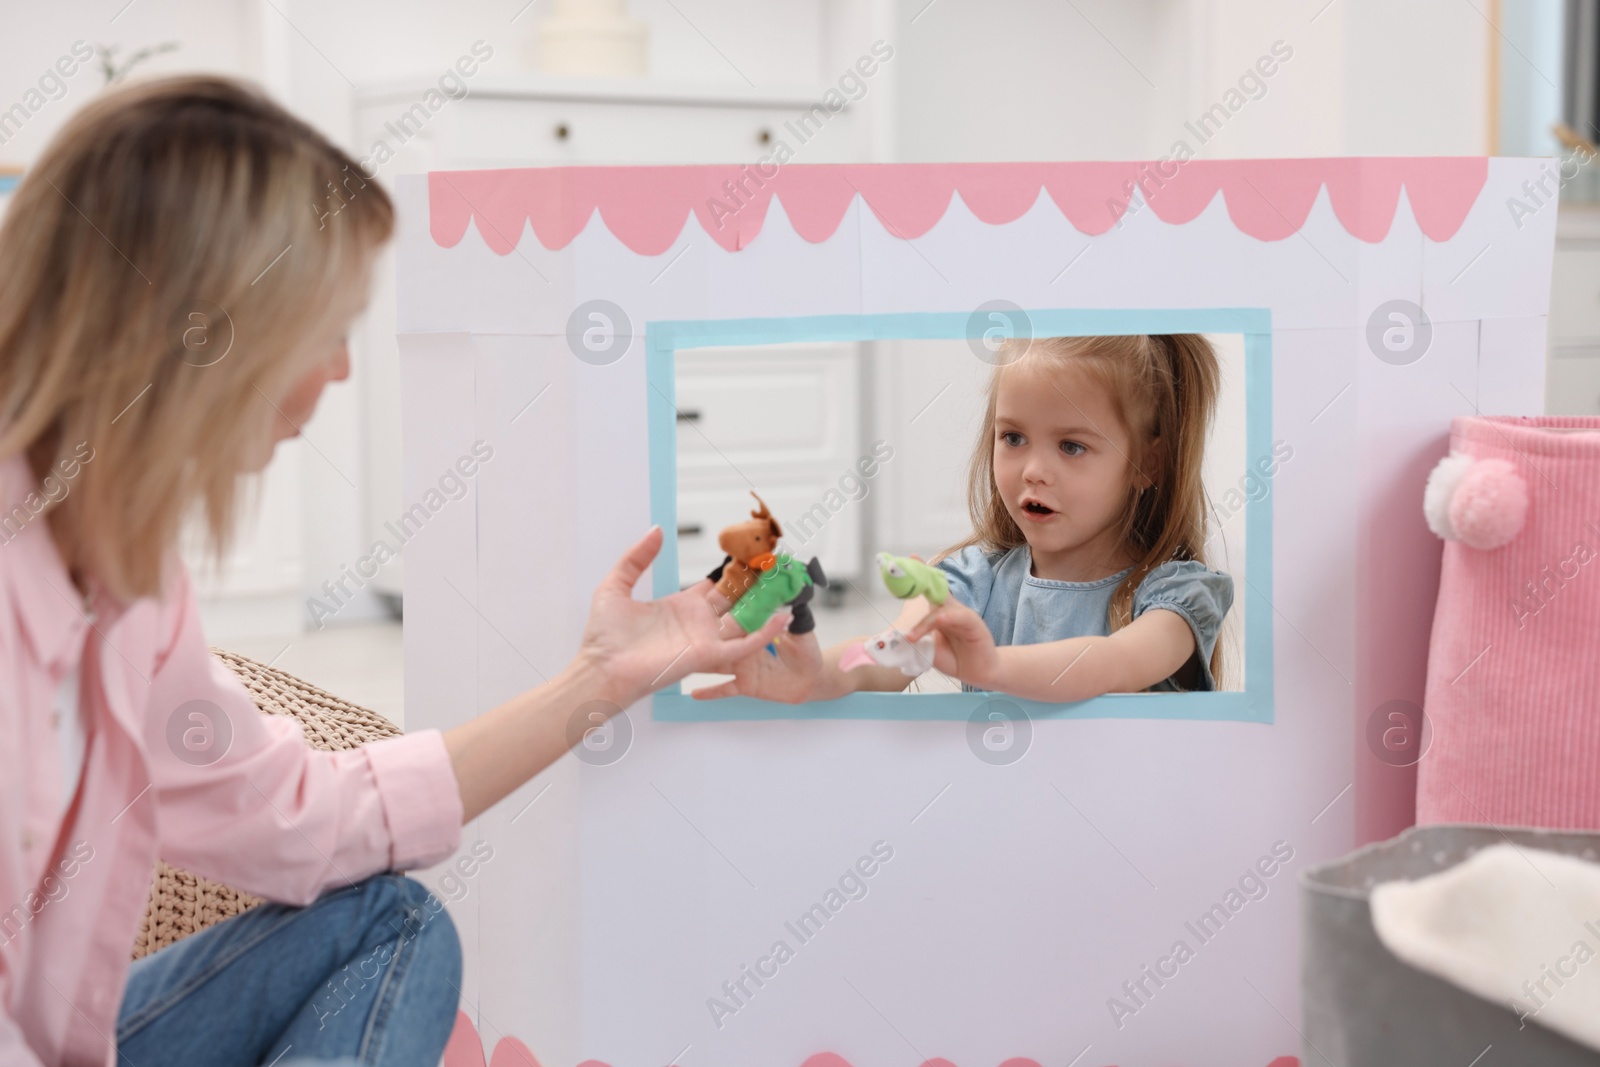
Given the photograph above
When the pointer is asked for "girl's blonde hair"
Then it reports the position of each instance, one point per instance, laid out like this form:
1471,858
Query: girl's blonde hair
1163,387
162,271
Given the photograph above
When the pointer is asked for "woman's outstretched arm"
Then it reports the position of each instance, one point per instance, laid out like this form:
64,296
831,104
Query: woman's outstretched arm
630,648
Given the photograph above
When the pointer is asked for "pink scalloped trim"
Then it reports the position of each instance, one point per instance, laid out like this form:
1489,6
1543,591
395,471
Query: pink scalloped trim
465,1049
647,207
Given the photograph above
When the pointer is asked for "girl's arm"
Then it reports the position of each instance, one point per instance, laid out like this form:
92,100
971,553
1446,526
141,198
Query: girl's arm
1151,648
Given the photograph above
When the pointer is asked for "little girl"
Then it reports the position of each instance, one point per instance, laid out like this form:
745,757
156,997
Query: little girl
1085,573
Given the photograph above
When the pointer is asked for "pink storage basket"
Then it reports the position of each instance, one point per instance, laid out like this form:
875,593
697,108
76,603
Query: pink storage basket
1513,690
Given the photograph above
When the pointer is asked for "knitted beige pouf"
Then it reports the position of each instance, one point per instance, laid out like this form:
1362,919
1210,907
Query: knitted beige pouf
180,903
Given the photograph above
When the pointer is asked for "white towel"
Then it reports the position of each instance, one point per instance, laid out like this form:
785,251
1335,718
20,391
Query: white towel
1517,926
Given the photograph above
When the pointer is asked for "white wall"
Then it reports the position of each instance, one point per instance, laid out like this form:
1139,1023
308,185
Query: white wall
1018,79
1098,79
1530,77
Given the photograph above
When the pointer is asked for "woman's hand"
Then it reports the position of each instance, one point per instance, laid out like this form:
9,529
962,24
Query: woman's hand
794,676
719,603
963,647
638,646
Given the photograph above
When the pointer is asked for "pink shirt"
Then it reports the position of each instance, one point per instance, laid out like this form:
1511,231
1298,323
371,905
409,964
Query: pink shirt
269,815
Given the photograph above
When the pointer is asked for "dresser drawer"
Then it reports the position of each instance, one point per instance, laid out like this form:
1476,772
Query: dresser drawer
491,131
772,410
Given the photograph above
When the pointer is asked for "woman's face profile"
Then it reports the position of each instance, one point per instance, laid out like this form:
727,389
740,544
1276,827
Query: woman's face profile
295,408
301,403
328,360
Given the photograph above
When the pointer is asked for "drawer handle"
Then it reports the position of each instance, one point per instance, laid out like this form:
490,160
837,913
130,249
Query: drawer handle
563,131
688,416
691,530
764,137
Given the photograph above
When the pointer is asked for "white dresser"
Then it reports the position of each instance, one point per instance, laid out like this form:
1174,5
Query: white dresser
786,418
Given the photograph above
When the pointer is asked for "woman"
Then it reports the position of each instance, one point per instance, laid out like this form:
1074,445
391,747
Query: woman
164,218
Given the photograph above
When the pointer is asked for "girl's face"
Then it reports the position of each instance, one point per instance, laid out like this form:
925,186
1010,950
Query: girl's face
1063,463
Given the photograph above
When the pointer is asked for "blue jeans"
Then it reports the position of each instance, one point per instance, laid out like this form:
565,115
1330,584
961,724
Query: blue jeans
366,974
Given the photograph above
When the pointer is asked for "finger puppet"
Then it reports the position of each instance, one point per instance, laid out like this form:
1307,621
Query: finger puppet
890,649
1482,503
751,547
906,577
760,580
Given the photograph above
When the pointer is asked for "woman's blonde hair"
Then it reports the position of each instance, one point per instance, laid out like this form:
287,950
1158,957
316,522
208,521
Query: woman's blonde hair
162,271
1164,388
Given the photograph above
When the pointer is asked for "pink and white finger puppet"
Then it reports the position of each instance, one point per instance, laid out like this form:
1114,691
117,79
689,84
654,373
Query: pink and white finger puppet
890,649
1480,502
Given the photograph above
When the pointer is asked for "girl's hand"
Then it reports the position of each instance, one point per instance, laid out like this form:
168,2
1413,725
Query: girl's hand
638,646
963,647
793,676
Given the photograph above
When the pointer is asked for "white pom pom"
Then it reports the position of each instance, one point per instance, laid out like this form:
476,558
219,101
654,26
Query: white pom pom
1441,487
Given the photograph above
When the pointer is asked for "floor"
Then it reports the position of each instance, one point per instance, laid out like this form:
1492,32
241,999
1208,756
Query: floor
364,663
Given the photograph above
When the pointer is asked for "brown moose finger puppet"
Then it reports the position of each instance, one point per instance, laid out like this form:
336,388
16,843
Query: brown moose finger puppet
757,579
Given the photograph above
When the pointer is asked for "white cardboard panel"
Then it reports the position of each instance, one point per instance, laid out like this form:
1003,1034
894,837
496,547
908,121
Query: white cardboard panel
1392,269
471,287
672,285
1315,517
1492,268
527,390
437,385
1020,898
525,402
781,273
437,403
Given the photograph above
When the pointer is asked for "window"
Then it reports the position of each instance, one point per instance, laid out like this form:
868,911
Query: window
703,464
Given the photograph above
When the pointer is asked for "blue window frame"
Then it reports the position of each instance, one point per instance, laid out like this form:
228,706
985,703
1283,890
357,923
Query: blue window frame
1252,704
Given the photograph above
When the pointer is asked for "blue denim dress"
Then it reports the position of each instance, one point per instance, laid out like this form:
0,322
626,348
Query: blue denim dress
1020,609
